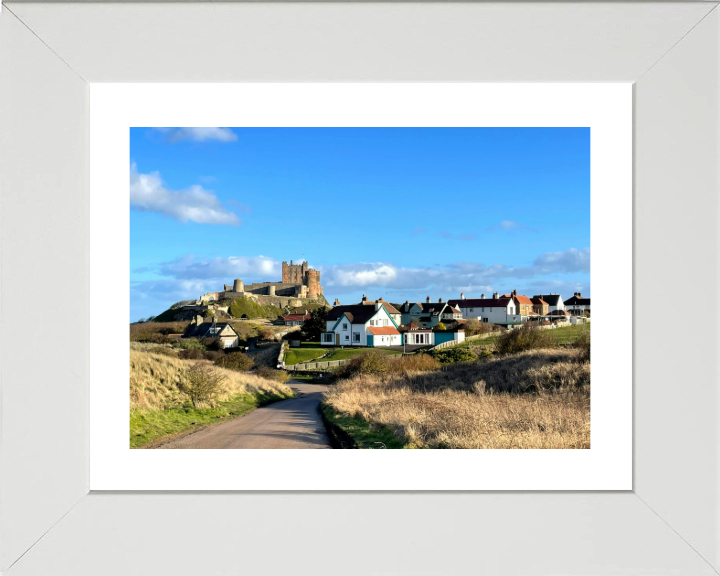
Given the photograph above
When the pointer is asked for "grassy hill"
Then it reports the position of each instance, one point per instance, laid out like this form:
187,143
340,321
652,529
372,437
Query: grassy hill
251,309
158,408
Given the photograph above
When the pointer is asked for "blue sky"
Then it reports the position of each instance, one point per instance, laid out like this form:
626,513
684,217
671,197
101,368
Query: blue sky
392,212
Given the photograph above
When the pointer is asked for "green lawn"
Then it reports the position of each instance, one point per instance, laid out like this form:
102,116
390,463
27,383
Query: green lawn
568,334
358,432
305,353
345,353
145,427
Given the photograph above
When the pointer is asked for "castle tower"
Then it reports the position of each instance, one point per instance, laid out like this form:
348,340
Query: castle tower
312,281
238,285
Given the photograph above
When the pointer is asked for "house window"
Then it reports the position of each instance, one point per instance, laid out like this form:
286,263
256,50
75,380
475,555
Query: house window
328,337
472,309
356,336
344,326
347,337
386,322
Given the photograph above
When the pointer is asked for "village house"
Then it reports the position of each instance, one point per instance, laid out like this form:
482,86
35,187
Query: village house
554,301
389,308
577,305
360,325
428,314
295,319
222,331
429,337
496,310
540,307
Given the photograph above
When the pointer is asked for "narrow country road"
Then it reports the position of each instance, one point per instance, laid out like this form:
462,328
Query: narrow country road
294,423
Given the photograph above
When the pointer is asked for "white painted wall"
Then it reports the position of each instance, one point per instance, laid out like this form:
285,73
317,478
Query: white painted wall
347,330
494,314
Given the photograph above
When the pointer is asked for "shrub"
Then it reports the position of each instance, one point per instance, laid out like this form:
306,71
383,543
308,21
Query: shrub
201,383
213,355
213,344
413,363
163,351
237,361
158,338
441,326
452,355
191,354
275,375
267,334
189,343
583,344
475,326
372,362
525,338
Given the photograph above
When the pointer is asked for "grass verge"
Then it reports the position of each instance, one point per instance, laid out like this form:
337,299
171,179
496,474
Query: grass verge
303,354
346,353
350,432
150,428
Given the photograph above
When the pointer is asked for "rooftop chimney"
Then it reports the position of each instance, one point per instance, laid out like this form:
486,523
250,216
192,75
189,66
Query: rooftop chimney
364,298
427,299
495,295
482,296
462,295
514,292
337,302
440,300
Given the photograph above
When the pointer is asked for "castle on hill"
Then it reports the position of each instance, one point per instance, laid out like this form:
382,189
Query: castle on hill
298,283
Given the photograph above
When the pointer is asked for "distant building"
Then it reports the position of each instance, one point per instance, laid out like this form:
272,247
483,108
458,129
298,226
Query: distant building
577,304
540,307
428,314
554,301
215,330
295,319
496,310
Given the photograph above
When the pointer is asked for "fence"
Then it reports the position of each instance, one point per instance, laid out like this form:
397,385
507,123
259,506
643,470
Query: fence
328,364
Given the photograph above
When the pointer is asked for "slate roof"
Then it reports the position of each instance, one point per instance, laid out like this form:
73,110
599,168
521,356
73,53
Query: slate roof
538,301
202,330
382,330
551,299
356,313
575,301
389,307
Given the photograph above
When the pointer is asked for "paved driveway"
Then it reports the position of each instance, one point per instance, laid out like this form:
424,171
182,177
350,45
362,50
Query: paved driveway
294,423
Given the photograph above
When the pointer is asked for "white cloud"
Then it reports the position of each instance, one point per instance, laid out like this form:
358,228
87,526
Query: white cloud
147,194
251,267
572,260
455,277
510,226
199,134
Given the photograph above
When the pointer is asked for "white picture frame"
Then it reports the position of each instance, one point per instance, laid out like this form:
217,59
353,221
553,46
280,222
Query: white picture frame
50,523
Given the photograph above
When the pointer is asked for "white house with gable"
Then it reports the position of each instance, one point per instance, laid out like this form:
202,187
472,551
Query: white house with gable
360,325
495,310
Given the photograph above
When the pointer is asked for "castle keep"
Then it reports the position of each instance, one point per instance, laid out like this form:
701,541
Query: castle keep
298,283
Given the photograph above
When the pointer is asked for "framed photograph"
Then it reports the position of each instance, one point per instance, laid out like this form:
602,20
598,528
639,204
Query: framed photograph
216,337
432,205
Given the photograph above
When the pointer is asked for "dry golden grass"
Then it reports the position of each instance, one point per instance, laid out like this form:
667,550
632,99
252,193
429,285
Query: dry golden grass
154,380
537,399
